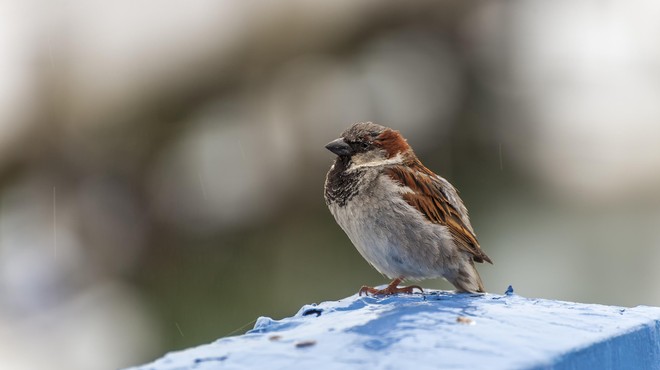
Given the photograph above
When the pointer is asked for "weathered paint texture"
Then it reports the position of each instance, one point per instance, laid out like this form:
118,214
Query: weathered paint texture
438,330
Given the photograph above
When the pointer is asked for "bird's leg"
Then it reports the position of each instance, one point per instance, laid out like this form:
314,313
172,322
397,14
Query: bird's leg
392,288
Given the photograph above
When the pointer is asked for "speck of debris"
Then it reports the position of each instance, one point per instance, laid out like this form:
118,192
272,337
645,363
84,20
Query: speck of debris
465,320
305,344
313,311
206,359
275,337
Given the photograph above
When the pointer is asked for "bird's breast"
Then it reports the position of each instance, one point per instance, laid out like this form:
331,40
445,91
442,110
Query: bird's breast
389,233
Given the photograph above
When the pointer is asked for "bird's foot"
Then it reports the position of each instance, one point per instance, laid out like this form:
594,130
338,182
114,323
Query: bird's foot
392,288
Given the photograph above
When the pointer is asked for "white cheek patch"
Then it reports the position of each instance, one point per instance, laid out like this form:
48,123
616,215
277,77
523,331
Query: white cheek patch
362,159
373,159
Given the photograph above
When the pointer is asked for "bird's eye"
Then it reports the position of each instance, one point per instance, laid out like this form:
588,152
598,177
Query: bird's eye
364,145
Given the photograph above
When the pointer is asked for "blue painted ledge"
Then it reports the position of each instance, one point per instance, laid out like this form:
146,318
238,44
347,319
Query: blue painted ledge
438,330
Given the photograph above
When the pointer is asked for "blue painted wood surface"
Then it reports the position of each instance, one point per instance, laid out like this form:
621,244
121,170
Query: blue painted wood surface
438,330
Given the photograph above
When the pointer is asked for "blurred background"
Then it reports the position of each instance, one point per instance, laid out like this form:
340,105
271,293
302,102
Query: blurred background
162,164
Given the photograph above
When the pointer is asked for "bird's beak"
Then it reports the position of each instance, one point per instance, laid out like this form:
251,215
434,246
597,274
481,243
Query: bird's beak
339,147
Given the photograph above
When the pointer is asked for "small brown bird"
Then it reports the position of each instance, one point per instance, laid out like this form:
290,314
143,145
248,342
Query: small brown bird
405,220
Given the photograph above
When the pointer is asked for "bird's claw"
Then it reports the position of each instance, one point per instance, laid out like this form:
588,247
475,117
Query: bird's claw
389,290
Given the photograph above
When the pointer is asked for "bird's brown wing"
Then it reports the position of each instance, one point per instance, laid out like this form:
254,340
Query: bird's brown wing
439,202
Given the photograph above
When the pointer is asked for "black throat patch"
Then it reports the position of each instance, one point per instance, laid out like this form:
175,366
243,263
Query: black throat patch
340,186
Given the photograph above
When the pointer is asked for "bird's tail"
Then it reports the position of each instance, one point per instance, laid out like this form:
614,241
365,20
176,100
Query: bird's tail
468,279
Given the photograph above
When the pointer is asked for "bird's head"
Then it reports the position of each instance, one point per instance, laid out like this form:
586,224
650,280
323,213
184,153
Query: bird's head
366,144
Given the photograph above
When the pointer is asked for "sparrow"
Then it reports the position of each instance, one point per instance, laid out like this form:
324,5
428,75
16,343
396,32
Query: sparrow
405,220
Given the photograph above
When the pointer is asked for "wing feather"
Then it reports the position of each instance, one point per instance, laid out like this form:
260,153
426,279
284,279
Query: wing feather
438,200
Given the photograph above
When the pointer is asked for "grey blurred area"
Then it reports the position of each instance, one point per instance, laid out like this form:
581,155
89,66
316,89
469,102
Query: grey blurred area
162,164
